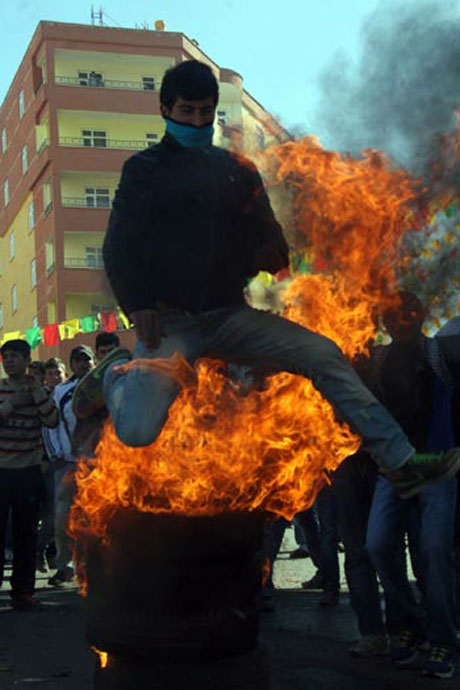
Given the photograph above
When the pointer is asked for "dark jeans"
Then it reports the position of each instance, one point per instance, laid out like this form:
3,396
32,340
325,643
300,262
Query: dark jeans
388,518
46,528
307,523
20,492
353,488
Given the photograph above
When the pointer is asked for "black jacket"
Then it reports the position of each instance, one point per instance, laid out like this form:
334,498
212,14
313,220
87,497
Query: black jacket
185,227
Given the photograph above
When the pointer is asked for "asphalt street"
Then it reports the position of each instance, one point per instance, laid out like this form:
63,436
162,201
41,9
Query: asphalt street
307,645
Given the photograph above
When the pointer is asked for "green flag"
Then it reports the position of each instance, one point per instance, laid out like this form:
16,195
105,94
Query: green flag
88,324
34,337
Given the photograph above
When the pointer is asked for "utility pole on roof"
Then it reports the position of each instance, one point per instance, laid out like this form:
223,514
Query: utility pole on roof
97,16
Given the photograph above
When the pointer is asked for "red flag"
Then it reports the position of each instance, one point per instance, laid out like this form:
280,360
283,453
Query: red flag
109,321
51,334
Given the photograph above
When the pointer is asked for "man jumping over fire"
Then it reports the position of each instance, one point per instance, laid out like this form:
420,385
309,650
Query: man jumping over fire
190,224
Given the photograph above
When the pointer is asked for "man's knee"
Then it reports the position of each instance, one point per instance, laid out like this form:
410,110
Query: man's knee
138,432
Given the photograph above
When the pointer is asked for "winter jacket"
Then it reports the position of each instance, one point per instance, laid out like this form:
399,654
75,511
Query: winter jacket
185,228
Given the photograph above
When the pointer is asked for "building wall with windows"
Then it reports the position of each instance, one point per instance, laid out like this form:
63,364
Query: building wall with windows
85,99
18,268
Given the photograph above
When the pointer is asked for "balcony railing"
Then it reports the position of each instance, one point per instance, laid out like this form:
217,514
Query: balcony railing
101,143
80,202
83,262
107,84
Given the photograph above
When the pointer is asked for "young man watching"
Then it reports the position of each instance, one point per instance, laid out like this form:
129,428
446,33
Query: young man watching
190,224
55,372
24,408
88,430
105,343
63,453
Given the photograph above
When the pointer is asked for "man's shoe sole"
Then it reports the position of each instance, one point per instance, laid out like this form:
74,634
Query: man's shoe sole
84,403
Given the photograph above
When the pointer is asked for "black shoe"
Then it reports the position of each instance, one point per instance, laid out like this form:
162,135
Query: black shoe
61,577
405,647
316,582
25,602
424,469
330,597
300,552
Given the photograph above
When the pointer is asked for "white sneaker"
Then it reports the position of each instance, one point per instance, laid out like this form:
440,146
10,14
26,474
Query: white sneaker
371,645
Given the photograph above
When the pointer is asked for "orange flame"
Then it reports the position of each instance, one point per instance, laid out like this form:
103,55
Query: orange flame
269,450
102,656
219,451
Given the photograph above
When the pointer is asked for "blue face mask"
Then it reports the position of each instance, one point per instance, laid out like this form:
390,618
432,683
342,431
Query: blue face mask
189,135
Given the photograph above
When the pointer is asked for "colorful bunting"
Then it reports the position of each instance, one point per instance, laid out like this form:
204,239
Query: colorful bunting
109,321
34,337
69,329
51,334
88,324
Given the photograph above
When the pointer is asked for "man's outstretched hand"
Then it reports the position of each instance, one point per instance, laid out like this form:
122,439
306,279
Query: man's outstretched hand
147,323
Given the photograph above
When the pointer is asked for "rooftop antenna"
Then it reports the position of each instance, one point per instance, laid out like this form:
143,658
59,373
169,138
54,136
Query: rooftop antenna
97,15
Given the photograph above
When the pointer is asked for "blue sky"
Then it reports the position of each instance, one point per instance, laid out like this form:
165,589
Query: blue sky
279,47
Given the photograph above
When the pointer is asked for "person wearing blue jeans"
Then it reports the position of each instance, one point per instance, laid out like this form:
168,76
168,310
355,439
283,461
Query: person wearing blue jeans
328,574
190,224
420,396
353,485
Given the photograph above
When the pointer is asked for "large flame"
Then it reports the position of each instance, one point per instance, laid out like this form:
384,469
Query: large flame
270,449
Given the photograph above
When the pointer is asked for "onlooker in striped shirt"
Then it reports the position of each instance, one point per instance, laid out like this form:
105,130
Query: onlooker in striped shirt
24,408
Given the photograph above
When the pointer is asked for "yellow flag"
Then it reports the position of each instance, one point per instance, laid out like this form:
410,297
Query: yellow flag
14,335
124,319
69,329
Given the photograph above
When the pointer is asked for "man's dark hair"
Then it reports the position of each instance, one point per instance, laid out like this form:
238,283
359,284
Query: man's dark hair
107,339
38,365
54,362
18,345
191,80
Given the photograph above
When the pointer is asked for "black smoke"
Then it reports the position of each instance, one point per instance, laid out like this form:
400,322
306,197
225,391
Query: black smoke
401,95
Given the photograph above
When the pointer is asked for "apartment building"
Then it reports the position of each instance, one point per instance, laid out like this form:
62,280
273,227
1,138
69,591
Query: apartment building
83,100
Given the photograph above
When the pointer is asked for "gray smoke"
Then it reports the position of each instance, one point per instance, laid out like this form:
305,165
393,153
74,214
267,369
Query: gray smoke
401,96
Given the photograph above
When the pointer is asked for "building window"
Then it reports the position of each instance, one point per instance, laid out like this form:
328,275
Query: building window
148,83
97,198
1,315
12,246
31,213
25,162
35,322
93,257
22,107
222,117
94,137
49,257
14,299
90,78
4,141
151,138
33,273
6,192
47,197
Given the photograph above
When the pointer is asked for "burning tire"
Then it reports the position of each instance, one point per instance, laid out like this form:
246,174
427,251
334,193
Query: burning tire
168,587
